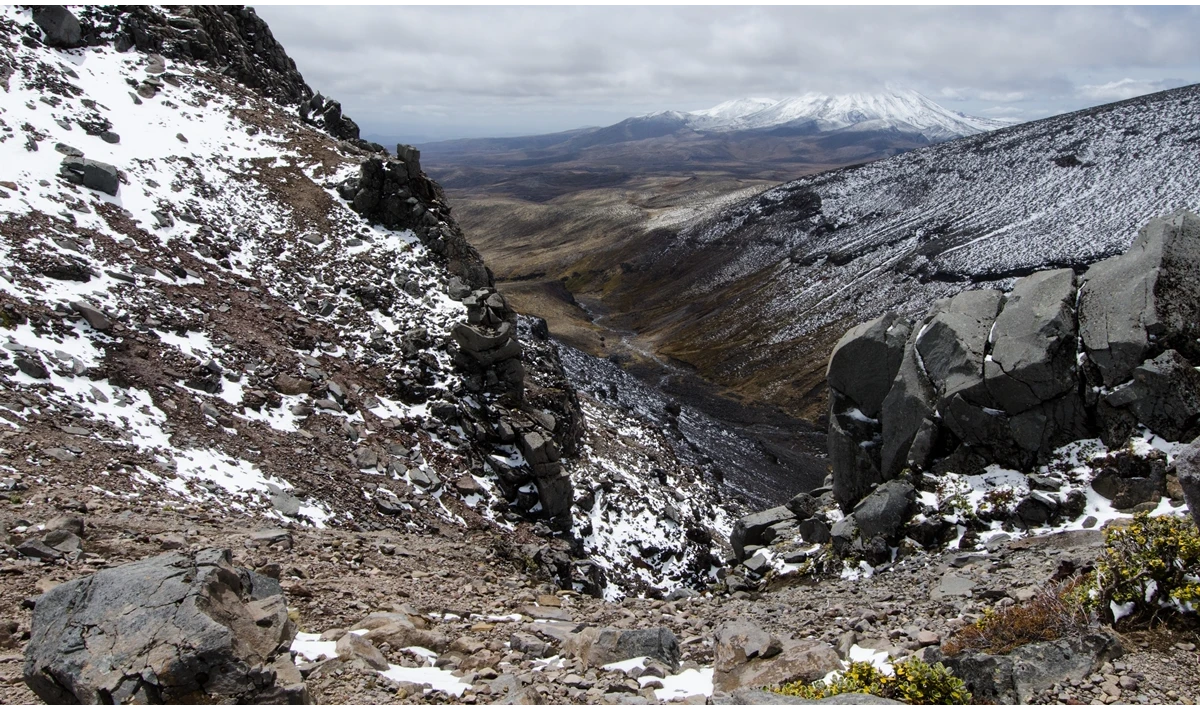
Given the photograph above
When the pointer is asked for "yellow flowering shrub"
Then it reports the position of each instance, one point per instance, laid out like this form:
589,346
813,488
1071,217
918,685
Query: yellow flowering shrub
914,682
1147,563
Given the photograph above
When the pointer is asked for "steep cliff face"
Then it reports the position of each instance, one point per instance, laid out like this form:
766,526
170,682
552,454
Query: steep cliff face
216,296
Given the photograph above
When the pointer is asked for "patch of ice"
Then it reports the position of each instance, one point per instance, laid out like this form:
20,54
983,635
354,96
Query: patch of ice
683,685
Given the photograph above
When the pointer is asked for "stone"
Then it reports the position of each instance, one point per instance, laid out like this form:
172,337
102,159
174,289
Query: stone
1186,467
73,523
1128,479
1143,301
953,342
749,657
803,505
284,502
886,510
61,28
35,548
1014,678
529,644
865,361
754,696
1033,359
952,585
352,646
92,174
172,628
1164,396
907,412
95,318
287,384
748,530
596,647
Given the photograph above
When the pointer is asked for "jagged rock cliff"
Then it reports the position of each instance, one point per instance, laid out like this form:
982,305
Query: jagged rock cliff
994,377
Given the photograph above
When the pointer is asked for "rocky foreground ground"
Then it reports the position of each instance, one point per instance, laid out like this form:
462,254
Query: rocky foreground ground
496,628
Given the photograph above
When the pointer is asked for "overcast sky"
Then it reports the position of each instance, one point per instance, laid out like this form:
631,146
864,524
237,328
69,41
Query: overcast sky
430,73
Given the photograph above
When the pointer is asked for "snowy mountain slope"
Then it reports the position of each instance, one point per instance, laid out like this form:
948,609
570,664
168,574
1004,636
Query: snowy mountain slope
793,268
893,109
209,327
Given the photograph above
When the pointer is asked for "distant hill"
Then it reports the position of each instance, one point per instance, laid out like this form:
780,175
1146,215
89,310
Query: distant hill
746,138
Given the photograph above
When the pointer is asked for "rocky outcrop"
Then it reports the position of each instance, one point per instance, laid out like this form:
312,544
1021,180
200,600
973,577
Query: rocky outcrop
597,647
173,628
1014,678
1136,305
988,377
92,174
749,657
1187,468
396,194
61,28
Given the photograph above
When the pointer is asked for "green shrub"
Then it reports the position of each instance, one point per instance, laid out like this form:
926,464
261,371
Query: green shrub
1055,612
914,682
1149,563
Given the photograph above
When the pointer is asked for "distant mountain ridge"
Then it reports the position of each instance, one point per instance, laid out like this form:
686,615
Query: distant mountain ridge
898,109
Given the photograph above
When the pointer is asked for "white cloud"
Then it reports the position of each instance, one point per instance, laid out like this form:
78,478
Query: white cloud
1121,90
513,69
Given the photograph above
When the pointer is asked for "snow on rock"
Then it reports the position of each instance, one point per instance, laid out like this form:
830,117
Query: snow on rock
896,108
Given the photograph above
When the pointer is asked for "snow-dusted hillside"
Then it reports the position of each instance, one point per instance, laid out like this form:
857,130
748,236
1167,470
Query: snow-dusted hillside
796,266
205,323
896,109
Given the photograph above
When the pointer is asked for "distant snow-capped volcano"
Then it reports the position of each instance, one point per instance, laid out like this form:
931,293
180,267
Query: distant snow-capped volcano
893,109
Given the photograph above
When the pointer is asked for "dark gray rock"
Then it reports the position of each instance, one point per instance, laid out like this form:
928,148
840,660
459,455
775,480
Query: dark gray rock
1164,395
61,28
92,174
749,657
596,647
1014,678
172,628
1133,305
1033,358
1186,466
854,442
748,530
907,417
755,696
865,361
1127,479
953,343
844,535
95,318
884,511
803,505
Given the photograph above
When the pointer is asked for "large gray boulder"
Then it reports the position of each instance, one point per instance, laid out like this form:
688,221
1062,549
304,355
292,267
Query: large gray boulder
168,629
907,413
886,510
1143,300
1014,678
749,657
754,696
953,343
92,174
1033,358
1164,395
60,27
864,362
1187,468
597,647
748,530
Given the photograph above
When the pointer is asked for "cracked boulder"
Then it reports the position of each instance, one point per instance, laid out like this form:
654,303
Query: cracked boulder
92,174
1164,395
169,629
1143,301
1033,358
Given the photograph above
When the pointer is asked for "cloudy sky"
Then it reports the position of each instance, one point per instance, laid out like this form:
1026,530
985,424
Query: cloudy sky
429,73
